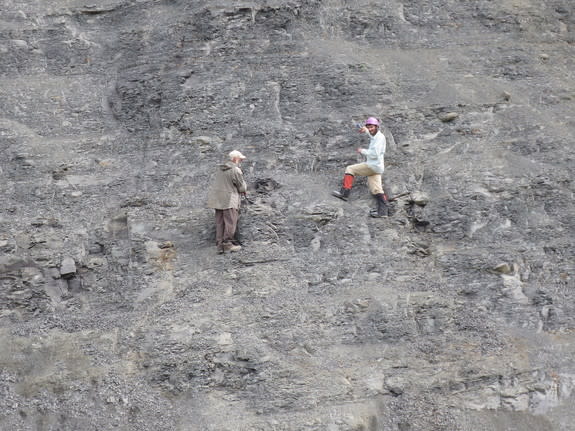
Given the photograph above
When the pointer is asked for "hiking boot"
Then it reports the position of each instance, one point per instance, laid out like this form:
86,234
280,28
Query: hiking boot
343,194
382,210
375,213
346,186
232,247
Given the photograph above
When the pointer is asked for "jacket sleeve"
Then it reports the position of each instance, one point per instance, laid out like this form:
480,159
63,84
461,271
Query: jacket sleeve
376,149
238,180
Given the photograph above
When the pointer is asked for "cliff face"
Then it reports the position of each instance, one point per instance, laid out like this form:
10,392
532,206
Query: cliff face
455,313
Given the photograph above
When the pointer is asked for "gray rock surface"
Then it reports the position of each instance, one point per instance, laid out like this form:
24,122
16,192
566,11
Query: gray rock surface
455,313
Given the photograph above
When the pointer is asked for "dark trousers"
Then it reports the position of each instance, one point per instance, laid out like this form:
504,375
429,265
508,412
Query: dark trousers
226,223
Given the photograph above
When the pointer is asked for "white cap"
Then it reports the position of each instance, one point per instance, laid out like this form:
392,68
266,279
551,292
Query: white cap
236,155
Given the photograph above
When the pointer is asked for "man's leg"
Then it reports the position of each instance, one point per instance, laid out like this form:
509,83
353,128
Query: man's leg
220,230
361,169
230,223
237,234
346,186
374,184
351,172
376,189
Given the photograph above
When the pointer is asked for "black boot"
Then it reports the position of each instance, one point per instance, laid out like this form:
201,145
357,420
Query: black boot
346,186
342,193
382,208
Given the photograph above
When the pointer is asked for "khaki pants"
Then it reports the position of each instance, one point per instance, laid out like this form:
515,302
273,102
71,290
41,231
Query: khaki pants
373,178
226,223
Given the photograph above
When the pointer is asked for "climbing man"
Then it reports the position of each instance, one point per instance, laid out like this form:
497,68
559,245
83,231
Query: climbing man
225,197
372,168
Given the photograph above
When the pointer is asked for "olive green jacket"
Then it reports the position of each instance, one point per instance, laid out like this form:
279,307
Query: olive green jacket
225,190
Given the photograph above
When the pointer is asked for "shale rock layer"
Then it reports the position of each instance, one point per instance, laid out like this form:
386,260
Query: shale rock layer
454,313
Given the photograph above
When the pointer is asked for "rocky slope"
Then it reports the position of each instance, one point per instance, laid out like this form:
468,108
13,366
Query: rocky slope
455,313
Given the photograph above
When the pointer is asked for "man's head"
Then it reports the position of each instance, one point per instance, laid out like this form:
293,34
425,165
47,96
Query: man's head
372,125
236,157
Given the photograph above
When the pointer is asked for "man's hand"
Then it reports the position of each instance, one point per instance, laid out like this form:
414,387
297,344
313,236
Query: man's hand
359,150
245,198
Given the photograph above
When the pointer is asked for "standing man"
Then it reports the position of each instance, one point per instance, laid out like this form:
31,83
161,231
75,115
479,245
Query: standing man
225,197
372,168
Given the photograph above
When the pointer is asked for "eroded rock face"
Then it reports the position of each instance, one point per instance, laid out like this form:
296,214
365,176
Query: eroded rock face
455,313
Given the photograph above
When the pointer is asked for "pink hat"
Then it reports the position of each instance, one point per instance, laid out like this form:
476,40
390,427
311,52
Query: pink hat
372,120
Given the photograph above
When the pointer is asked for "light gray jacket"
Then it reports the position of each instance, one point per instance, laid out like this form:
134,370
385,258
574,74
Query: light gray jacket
225,190
375,152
